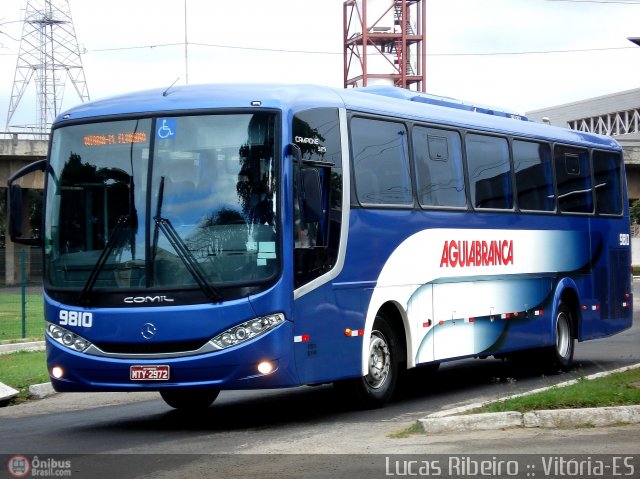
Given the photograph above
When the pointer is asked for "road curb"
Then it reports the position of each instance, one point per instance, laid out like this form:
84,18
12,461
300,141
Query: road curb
7,393
553,418
41,391
15,347
451,421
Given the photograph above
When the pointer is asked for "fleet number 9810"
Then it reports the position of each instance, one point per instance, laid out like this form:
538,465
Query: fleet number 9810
75,318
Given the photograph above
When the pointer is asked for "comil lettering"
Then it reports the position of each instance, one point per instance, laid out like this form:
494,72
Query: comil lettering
476,253
147,299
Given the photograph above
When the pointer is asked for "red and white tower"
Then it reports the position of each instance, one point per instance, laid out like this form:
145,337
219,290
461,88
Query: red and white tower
384,43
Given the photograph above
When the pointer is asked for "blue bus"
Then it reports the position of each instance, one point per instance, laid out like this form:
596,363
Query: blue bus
215,237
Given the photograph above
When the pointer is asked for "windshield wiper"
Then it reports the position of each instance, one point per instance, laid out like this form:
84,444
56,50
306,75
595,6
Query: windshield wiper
114,240
183,252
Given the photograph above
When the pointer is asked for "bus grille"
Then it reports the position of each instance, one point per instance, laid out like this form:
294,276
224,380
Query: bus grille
151,348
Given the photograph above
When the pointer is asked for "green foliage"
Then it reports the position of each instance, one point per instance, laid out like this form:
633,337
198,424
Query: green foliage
634,212
22,369
617,389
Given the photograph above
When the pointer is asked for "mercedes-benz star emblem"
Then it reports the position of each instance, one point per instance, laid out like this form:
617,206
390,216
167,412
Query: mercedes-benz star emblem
148,331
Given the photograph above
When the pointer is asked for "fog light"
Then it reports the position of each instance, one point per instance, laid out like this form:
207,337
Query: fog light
265,367
57,372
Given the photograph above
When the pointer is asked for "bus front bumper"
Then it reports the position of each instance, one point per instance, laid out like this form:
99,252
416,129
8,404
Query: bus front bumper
265,362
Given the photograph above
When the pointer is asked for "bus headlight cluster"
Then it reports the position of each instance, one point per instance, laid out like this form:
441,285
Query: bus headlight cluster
247,330
67,338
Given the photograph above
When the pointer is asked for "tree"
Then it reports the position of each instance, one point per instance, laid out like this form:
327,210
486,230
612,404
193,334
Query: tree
634,212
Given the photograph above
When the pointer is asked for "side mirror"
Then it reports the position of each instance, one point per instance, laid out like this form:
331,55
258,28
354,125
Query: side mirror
15,212
16,216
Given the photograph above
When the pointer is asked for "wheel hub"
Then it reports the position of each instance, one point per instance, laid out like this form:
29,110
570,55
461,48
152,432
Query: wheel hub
379,360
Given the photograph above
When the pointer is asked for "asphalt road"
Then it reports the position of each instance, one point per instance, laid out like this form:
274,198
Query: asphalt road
137,435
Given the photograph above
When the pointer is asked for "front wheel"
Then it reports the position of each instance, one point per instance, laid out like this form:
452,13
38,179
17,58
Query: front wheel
189,399
377,386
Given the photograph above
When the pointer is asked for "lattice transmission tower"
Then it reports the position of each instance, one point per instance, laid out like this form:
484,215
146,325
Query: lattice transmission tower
384,43
49,55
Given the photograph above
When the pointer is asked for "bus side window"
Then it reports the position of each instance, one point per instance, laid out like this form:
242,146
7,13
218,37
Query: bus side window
573,175
534,175
489,172
381,162
607,171
440,176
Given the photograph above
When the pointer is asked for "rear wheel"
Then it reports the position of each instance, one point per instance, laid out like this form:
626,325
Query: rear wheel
561,353
193,399
377,386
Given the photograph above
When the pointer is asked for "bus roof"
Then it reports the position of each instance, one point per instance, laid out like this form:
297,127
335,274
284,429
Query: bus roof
383,100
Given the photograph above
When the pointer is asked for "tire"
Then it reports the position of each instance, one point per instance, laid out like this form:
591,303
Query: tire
561,353
189,399
376,388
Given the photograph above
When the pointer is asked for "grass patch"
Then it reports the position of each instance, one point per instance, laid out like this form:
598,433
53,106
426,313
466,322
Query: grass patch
618,389
22,369
413,429
11,316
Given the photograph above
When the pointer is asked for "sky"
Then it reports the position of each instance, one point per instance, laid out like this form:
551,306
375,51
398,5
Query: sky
517,54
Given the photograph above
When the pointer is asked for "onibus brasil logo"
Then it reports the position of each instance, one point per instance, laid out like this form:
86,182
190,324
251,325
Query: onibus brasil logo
21,466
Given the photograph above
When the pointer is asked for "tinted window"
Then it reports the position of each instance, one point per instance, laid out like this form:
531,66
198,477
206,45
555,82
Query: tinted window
607,172
573,175
317,238
534,175
440,177
381,165
489,172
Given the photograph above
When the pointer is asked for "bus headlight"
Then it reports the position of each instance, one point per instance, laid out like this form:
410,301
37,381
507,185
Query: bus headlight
67,338
247,330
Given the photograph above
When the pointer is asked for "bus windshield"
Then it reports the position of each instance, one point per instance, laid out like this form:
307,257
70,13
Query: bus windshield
185,202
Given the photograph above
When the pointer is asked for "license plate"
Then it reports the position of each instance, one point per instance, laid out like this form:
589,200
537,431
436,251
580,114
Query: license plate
149,373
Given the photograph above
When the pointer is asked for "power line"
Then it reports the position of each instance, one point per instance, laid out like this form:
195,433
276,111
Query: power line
316,52
533,52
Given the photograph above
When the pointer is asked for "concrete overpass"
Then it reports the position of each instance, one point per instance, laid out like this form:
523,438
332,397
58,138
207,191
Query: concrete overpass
18,150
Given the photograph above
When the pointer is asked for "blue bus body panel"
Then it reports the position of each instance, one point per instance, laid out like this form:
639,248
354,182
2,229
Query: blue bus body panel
232,368
455,312
291,98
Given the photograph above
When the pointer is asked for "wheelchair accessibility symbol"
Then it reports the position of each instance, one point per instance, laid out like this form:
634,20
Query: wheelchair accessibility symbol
166,129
